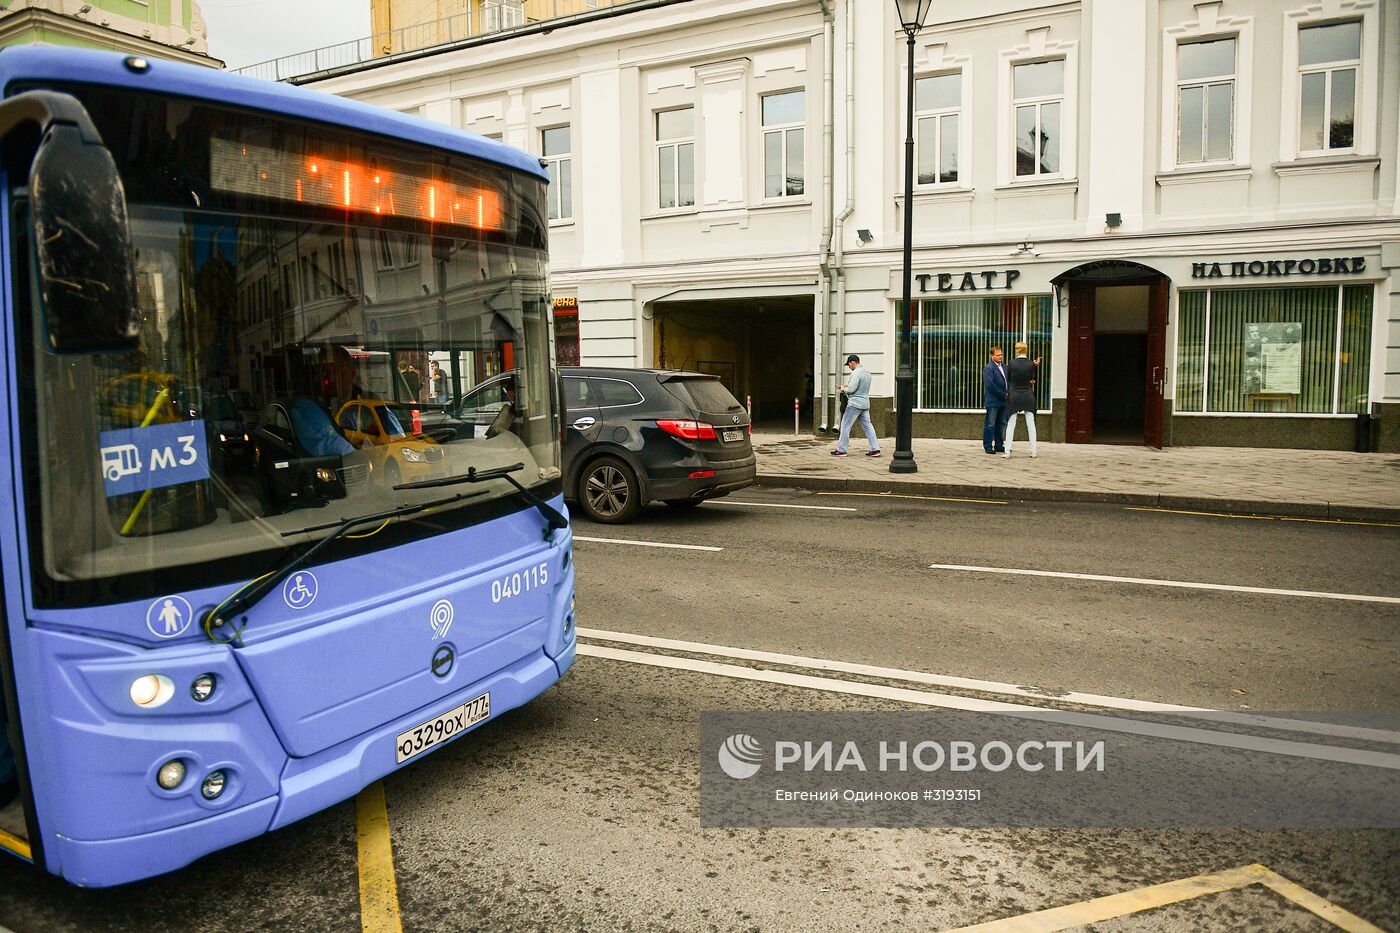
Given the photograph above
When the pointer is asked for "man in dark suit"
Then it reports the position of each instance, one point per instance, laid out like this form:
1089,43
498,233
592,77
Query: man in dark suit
994,387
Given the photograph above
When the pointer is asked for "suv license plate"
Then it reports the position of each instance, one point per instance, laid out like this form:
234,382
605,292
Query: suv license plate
436,731
732,436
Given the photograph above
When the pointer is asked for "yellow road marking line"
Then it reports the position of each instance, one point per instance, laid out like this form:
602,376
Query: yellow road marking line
15,844
379,890
1144,508
1264,518
1100,909
896,495
1339,521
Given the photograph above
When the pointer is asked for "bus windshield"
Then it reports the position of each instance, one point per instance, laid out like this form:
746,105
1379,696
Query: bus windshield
310,302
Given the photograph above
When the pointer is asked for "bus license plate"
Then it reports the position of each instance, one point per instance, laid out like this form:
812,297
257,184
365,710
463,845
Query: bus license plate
436,731
732,436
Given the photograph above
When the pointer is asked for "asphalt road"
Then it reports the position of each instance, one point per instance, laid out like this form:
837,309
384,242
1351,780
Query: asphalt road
580,810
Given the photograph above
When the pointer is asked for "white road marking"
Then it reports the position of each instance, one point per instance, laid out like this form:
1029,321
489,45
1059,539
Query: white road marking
679,547
950,701
990,686
1181,584
781,505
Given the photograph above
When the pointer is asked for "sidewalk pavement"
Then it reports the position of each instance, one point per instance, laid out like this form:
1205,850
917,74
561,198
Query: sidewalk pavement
1301,483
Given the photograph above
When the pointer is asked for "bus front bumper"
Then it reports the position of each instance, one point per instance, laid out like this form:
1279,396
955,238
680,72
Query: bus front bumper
307,785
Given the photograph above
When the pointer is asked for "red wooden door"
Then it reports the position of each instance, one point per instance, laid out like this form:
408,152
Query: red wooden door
1156,362
1079,414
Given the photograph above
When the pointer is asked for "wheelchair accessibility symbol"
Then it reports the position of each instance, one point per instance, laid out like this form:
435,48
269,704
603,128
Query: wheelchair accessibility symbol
299,590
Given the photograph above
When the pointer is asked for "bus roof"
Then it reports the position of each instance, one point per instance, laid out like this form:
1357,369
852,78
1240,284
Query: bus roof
50,63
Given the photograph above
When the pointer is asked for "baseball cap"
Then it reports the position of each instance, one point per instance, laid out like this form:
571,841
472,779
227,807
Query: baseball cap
852,359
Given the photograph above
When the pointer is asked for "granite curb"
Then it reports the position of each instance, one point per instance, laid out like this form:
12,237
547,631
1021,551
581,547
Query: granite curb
1325,510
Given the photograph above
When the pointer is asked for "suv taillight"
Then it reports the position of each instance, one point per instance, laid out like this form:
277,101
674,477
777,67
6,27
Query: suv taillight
417,420
689,430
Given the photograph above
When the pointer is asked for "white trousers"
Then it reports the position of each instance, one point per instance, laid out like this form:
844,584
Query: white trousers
1011,428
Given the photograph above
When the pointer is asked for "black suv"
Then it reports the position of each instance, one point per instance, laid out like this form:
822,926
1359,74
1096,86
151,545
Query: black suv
632,436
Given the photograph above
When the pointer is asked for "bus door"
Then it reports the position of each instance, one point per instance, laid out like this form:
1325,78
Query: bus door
14,820
87,285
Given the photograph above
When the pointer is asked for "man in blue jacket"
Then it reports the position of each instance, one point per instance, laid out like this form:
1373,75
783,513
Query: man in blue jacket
857,389
994,387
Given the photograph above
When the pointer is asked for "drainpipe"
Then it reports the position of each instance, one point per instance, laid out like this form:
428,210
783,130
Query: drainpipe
827,202
846,211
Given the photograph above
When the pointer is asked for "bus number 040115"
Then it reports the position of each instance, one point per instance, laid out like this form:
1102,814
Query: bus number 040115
530,579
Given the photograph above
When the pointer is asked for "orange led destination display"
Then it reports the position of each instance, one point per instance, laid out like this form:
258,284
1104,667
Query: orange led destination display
243,168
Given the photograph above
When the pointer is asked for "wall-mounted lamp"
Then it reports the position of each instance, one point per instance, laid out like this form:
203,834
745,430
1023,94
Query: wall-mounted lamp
1112,220
865,236
1027,248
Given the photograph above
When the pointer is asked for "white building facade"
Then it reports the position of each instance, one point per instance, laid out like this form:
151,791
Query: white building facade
1187,209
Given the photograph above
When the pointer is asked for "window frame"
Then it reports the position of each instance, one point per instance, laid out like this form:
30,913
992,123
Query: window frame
1327,69
675,144
1366,130
1023,334
1205,84
781,130
562,162
1210,290
1039,102
939,114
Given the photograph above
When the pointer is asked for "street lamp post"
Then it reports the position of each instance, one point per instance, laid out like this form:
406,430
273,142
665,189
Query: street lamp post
911,20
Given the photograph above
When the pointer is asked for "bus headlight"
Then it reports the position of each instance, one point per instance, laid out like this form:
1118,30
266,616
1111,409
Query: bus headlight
171,774
213,785
151,690
202,688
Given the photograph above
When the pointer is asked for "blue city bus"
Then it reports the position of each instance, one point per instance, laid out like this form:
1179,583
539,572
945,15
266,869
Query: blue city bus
247,569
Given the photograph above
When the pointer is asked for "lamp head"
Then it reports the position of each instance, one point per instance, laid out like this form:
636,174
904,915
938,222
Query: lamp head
912,14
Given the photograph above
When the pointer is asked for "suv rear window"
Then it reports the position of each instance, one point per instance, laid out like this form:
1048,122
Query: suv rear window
704,394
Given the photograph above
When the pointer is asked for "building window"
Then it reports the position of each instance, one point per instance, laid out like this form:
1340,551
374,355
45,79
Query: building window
1205,101
1329,58
1038,98
1303,350
675,158
556,147
784,116
305,280
937,102
955,337
411,244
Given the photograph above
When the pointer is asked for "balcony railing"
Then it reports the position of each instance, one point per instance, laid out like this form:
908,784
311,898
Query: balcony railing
481,19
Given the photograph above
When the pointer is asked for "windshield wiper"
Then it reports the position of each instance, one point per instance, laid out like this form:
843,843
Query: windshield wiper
473,475
253,593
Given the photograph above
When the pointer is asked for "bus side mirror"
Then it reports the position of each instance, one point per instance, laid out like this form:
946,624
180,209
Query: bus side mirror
82,240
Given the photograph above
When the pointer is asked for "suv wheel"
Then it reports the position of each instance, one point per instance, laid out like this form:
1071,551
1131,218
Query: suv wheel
609,491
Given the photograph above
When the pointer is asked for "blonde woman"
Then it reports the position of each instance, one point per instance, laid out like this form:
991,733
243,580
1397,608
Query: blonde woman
1021,375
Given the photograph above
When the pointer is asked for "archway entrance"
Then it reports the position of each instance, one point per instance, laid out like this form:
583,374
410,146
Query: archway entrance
1117,353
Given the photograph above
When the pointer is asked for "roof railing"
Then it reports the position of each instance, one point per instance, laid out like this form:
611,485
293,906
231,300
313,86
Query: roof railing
479,20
